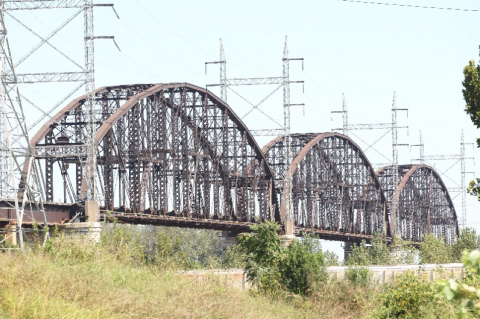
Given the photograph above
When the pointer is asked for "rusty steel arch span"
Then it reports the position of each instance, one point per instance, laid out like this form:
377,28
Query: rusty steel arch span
334,185
424,204
165,149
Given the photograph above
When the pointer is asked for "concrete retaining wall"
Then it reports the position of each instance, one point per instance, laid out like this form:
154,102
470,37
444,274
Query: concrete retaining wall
382,274
237,279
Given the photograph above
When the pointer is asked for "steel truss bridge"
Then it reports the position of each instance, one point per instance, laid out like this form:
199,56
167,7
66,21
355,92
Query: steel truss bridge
175,154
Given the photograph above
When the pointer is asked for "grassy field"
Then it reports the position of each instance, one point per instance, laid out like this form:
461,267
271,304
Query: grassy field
84,281
39,286
72,279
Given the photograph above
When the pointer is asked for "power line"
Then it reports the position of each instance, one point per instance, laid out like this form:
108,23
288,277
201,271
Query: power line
410,5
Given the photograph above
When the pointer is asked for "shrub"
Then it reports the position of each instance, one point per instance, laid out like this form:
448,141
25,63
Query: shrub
406,295
468,240
271,267
263,251
363,255
233,257
434,251
331,259
302,269
358,276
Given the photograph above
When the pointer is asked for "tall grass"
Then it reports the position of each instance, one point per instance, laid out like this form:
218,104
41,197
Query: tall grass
120,278
81,280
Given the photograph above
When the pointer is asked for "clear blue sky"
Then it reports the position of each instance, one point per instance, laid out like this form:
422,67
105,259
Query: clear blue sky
364,51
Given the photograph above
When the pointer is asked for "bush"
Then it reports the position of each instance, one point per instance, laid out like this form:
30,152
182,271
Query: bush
359,276
233,257
167,246
302,269
272,268
263,251
465,294
435,251
331,259
363,255
406,296
468,240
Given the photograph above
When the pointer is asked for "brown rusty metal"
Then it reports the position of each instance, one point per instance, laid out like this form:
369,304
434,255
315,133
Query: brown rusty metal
175,154
334,185
199,170
423,202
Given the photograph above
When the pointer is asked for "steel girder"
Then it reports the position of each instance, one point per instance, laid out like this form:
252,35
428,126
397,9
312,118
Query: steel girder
176,150
165,149
334,184
424,204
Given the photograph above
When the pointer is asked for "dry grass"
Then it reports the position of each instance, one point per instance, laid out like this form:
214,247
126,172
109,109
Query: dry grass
75,280
100,285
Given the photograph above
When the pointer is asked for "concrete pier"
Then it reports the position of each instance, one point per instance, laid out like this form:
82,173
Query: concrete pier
90,230
228,239
347,250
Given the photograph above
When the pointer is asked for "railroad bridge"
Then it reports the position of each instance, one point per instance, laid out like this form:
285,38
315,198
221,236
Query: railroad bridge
175,154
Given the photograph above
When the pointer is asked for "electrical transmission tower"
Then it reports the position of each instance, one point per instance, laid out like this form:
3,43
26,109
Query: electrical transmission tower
15,150
280,82
14,127
458,158
392,168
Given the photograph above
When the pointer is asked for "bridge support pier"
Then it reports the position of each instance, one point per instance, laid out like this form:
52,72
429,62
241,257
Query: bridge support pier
228,239
289,228
90,230
92,211
347,250
286,239
12,234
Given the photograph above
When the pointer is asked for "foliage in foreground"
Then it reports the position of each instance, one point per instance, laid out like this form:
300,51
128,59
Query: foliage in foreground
465,293
131,273
74,279
471,95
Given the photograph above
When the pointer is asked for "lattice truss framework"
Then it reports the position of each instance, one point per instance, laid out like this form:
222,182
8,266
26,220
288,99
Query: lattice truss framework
169,149
334,185
177,150
424,204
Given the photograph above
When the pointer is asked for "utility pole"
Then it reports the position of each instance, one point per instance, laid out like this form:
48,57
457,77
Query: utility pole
15,149
392,169
459,158
285,129
344,113
422,149
279,82
84,75
394,166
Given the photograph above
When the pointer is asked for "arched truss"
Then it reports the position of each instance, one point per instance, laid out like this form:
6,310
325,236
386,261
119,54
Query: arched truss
334,186
168,149
424,204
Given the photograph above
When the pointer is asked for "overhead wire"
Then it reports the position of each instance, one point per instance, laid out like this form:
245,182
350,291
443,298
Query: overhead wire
158,49
411,5
190,42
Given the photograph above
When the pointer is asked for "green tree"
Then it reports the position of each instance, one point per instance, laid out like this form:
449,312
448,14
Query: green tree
434,251
273,268
376,254
468,240
302,267
263,250
471,95
331,259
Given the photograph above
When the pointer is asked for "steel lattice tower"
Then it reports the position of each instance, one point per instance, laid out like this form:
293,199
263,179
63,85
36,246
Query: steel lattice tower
15,149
